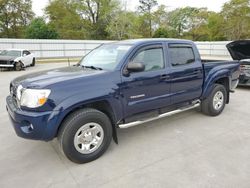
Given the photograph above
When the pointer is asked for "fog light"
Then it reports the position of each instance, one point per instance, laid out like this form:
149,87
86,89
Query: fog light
27,127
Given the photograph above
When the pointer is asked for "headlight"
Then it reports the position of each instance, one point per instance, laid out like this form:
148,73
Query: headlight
19,92
33,98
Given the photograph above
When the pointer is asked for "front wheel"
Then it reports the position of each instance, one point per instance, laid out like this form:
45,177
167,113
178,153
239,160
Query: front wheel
216,101
85,135
18,66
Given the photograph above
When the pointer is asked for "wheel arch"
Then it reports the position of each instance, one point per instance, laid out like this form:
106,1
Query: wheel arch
225,82
102,105
221,77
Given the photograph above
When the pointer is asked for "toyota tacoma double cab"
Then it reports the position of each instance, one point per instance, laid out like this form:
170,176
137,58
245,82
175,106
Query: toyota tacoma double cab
117,85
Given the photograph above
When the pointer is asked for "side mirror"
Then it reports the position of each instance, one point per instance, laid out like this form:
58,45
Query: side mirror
135,67
24,55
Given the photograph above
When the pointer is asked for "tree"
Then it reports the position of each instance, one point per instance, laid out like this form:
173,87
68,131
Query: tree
161,33
98,13
123,25
63,16
15,15
197,29
146,8
236,15
180,19
160,18
38,29
215,27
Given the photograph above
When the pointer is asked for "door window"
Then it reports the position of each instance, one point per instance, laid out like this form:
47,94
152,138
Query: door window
26,53
152,59
181,55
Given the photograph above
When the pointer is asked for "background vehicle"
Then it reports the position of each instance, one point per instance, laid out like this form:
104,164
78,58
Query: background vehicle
240,50
117,85
17,59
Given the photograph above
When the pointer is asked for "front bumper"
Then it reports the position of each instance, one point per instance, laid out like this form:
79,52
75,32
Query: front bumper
32,125
6,66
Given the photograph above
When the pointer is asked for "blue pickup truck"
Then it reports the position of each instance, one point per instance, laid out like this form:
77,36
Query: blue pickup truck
117,85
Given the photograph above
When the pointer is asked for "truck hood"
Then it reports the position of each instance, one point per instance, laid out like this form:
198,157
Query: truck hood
239,49
44,78
7,58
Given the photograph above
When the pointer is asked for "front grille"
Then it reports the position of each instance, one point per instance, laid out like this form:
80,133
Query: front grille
4,62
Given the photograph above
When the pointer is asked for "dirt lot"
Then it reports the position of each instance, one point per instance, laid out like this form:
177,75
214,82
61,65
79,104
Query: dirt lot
185,150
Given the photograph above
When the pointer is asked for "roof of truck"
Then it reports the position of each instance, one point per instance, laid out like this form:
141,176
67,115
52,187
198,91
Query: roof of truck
149,40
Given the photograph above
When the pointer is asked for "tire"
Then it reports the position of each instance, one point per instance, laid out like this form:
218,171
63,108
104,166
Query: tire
18,66
85,135
215,103
33,62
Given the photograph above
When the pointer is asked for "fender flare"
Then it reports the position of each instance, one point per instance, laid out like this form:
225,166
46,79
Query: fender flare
212,78
76,102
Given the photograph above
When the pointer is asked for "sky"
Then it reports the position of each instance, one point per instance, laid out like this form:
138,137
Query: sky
213,5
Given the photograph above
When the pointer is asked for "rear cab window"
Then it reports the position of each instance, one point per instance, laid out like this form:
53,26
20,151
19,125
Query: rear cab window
181,54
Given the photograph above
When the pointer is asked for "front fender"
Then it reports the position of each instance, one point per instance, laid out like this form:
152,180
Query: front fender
77,101
211,78
18,59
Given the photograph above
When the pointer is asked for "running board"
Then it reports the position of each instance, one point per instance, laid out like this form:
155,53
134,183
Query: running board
124,126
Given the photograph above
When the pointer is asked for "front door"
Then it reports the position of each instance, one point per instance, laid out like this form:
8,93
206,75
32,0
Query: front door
150,89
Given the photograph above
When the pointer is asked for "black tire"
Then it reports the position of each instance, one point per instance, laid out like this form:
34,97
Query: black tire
207,105
18,66
33,62
73,123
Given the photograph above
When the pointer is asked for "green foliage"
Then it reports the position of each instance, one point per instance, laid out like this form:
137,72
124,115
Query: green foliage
65,19
161,33
181,19
106,19
236,14
38,29
15,15
146,8
124,25
215,27
98,13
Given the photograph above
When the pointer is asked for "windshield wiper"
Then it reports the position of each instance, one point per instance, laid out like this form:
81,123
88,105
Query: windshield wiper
92,67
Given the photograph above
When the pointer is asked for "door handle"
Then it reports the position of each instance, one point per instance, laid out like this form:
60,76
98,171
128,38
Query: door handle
165,77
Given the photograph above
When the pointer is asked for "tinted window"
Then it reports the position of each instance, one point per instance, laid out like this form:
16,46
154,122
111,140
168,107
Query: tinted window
151,58
26,52
181,55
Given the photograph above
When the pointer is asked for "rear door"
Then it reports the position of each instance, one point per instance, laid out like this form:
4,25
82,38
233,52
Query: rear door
150,89
186,73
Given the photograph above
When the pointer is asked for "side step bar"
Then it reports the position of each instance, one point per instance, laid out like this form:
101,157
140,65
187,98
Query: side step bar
124,126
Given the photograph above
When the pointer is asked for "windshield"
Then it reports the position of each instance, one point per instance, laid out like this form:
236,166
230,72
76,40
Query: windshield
12,53
106,56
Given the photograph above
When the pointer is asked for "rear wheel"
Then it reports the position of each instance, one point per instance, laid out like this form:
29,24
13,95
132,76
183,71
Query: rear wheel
215,103
33,62
85,135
